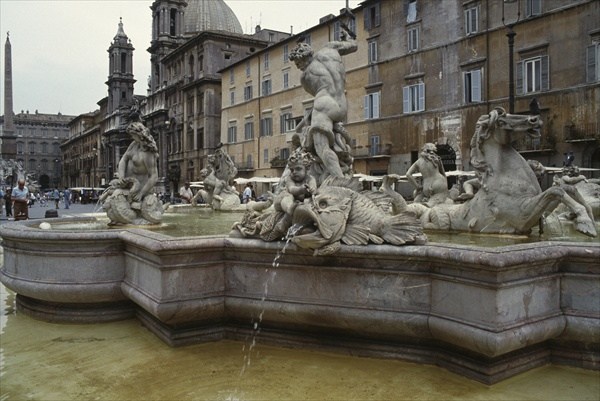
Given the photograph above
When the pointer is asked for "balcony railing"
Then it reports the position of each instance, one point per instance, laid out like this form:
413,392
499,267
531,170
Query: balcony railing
365,152
277,162
541,144
581,132
246,166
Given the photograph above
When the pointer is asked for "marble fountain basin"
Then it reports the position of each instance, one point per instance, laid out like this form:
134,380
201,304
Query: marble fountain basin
487,313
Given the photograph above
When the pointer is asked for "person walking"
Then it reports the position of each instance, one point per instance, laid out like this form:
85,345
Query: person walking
67,197
8,202
56,197
247,195
1,200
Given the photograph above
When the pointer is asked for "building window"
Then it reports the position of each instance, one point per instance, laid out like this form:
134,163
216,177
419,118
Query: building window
287,122
248,92
337,29
413,39
266,126
372,51
532,75
265,155
249,162
372,105
271,37
286,54
284,153
286,79
534,7
472,20
266,61
231,76
593,62
249,130
232,97
200,106
200,138
411,11
32,165
472,85
44,147
266,87
232,134
413,97
307,39
372,16
31,147
374,149
248,69
20,148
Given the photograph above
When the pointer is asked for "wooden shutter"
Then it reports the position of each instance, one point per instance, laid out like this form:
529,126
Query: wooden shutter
545,67
590,63
519,78
406,99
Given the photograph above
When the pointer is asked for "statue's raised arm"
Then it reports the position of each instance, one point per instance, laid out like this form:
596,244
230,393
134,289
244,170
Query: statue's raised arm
346,45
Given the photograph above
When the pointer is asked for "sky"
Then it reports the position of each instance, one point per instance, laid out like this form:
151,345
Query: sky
59,47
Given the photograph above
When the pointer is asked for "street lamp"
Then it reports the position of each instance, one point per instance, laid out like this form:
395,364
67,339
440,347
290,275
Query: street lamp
95,155
511,44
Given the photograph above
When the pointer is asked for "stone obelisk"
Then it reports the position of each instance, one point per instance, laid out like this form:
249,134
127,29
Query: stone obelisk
8,145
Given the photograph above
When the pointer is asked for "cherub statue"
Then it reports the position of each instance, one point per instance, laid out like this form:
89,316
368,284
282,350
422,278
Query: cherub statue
297,184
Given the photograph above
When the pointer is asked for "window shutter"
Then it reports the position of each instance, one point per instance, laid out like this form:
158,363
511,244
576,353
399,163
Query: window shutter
367,22
476,86
519,78
282,123
367,108
545,66
377,21
590,62
421,97
406,99
376,104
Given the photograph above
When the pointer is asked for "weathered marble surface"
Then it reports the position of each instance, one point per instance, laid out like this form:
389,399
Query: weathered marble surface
509,199
218,179
487,313
130,198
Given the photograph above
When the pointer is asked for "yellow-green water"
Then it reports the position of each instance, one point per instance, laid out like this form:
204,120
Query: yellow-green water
124,361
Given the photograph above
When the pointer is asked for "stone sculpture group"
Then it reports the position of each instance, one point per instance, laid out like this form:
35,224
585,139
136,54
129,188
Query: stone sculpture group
130,198
320,205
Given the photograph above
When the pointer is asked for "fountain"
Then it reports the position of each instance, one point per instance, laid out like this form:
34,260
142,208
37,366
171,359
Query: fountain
487,313
218,192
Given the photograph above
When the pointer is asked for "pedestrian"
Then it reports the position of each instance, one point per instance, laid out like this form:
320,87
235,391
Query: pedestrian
67,197
1,201
247,195
56,197
185,193
8,202
20,199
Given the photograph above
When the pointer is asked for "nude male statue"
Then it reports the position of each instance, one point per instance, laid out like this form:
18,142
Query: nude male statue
323,76
434,189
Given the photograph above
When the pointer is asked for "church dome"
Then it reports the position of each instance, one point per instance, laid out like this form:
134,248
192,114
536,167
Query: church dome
210,15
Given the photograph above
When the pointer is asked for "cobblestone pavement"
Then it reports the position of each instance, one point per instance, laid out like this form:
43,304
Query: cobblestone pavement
39,212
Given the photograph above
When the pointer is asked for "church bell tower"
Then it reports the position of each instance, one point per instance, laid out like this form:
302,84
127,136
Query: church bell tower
120,74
